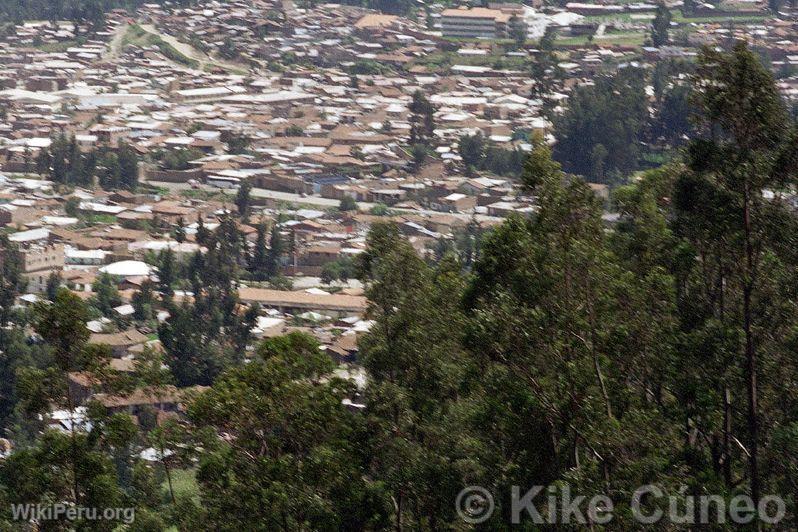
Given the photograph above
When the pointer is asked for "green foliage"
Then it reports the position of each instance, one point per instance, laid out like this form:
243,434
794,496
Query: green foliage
661,25
179,159
600,133
294,131
367,67
143,302
106,296
422,120
12,282
348,203
243,198
516,30
294,463
481,154
341,269
379,209
64,162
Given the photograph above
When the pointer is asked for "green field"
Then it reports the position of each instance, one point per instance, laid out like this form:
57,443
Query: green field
184,484
680,18
136,35
620,39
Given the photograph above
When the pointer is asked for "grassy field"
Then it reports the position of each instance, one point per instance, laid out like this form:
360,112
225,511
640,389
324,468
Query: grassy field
57,47
184,484
136,35
444,59
620,39
678,17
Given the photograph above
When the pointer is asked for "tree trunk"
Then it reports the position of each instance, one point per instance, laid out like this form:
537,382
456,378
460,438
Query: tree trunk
73,444
168,474
750,351
727,475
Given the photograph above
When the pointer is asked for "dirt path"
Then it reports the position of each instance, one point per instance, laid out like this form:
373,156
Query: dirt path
115,45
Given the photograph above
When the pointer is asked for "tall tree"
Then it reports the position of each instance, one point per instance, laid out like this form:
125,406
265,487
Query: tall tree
243,199
259,262
745,149
128,166
661,25
516,30
276,250
417,367
289,457
612,114
422,119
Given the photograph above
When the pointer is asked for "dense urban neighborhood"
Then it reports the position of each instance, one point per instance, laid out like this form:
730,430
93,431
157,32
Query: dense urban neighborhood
290,265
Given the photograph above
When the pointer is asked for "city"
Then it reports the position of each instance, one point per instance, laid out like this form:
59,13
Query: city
289,265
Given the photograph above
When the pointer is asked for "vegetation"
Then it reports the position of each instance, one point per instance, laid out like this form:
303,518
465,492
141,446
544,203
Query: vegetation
553,350
661,26
136,35
481,154
64,162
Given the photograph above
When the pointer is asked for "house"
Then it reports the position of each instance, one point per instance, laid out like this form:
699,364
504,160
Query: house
301,301
457,202
119,342
158,399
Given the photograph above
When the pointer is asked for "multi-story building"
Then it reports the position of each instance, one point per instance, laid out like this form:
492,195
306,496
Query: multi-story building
38,262
475,23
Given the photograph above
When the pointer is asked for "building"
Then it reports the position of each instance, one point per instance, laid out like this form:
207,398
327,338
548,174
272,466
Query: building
336,305
39,261
475,23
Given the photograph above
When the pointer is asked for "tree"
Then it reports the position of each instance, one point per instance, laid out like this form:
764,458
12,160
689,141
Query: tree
674,118
72,207
228,49
106,296
43,162
143,302
419,153
544,69
379,209
276,249
166,271
62,324
661,25
12,282
180,231
259,261
422,119
612,113
236,143
348,203
128,167
307,474
243,199
516,30
53,284
472,149
203,234
193,353
744,148
416,364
